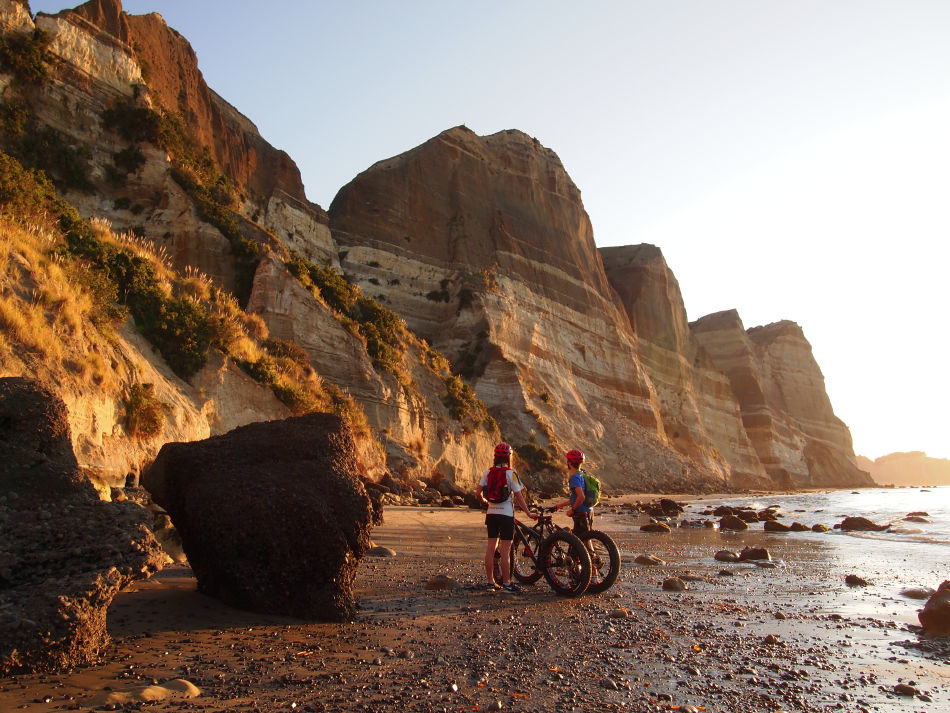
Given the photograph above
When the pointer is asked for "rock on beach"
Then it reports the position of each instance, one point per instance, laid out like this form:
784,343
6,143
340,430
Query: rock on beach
935,616
273,516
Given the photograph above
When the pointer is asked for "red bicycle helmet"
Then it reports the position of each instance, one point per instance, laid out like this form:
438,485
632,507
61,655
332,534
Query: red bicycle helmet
502,450
574,457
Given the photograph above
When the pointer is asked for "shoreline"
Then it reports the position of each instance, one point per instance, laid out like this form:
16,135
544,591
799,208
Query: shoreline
760,639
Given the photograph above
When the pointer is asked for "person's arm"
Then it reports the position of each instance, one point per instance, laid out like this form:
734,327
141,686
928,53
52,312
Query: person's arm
519,498
480,494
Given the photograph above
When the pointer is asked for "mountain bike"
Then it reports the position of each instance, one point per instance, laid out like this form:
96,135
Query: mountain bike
558,556
604,553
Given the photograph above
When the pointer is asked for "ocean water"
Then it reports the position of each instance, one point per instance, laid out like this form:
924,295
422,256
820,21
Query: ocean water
881,505
908,555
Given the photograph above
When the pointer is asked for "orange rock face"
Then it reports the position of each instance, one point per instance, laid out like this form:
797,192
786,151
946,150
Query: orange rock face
175,80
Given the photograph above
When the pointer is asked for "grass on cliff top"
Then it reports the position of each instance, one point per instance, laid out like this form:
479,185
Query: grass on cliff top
62,278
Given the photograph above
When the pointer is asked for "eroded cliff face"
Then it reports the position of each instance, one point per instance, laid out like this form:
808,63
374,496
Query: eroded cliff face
700,413
785,408
482,244
102,56
160,57
419,435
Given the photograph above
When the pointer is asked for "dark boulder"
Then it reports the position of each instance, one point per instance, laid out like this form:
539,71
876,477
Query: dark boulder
861,524
731,522
391,484
799,527
660,527
449,489
853,580
36,452
935,616
673,584
754,553
776,526
64,554
273,516
670,507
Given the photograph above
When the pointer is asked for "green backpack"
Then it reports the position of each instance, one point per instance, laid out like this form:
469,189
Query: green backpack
591,490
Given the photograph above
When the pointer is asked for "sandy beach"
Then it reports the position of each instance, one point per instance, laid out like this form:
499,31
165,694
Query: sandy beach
789,636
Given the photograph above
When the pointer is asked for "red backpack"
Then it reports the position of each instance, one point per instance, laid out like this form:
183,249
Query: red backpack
497,489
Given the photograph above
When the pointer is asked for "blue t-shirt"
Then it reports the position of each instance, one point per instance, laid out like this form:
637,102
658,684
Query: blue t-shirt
577,480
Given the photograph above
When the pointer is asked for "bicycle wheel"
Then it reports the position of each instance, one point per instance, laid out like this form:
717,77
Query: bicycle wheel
565,564
523,567
604,560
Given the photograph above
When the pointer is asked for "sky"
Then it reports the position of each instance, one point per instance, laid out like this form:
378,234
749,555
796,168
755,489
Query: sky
791,159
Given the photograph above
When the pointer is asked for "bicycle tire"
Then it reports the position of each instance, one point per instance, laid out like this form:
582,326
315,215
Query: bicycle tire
565,564
523,567
605,560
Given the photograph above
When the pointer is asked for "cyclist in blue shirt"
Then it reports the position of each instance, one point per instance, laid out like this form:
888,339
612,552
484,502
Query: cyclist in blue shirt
582,514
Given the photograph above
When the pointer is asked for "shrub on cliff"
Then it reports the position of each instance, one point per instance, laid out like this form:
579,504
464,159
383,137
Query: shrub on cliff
99,278
132,121
144,413
465,406
25,56
26,195
193,169
180,329
41,147
537,458
382,330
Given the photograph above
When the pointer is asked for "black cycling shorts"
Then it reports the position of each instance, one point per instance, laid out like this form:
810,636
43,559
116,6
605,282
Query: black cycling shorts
500,526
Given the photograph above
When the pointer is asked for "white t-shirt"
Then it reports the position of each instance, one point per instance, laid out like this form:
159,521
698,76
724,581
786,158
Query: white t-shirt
514,486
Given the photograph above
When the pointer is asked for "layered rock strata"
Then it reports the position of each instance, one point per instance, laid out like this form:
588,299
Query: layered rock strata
700,413
482,244
421,438
785,408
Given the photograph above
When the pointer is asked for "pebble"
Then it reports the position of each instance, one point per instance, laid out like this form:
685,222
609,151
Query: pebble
379,551
674,584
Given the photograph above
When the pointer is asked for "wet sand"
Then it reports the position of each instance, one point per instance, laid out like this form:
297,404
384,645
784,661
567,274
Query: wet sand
789,637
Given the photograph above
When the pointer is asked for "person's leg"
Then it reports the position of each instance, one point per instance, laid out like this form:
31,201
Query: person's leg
506,533
490,559
491,524
504,547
